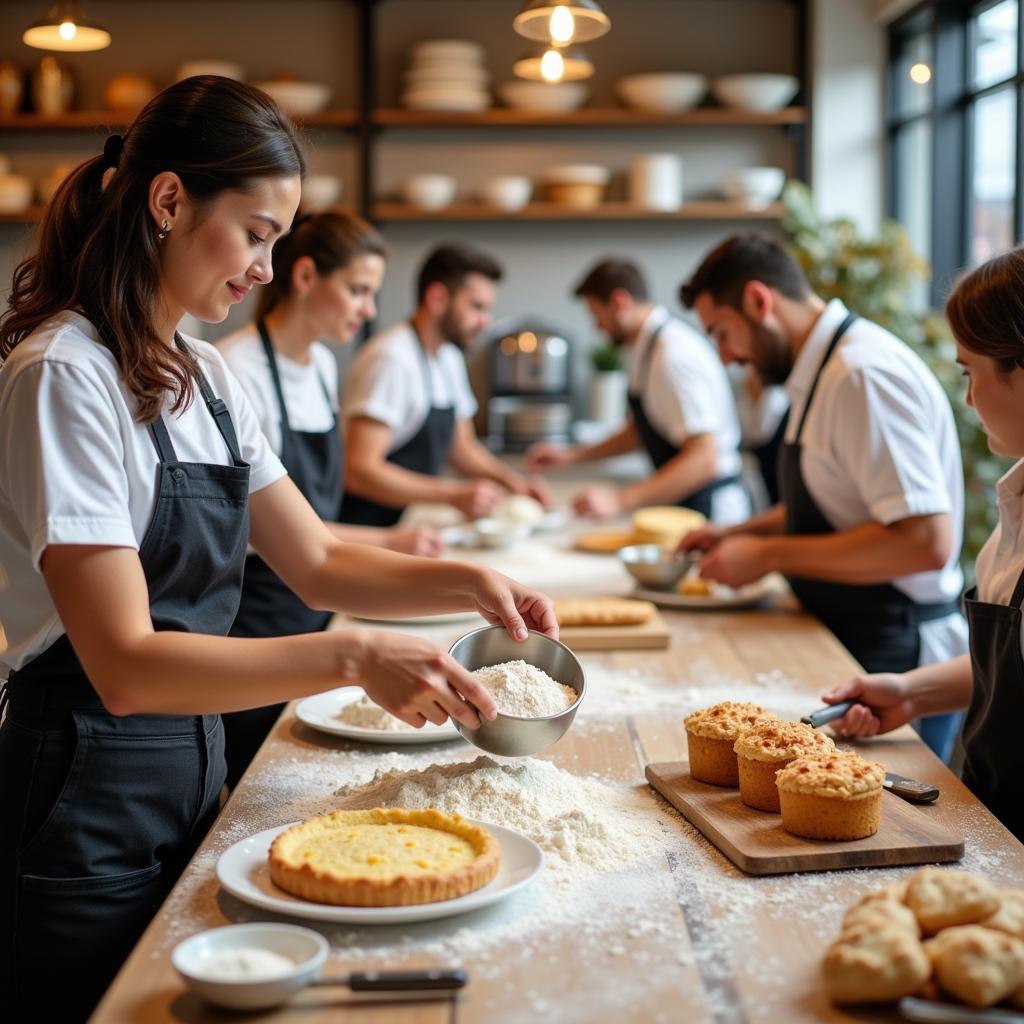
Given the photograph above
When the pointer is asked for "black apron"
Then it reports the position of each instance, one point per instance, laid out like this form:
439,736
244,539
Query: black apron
269,606
426,452
994,756
876,622
660,448
98,813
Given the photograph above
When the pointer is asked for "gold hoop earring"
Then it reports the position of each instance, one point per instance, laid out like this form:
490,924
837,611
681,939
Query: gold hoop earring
164,229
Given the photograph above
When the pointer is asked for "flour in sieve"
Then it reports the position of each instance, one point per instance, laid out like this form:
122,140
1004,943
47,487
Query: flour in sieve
525,691
364,714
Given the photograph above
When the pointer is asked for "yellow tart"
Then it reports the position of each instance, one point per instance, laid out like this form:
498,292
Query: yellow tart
384,857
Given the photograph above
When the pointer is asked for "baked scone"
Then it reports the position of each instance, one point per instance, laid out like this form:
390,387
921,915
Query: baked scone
602,611
765,748
666,525
711,734
383,857
943,898
875,963
977,965
695,586
831,796
1009,917
875,913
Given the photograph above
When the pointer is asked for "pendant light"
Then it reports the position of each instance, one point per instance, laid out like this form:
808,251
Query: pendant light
577,21
553,64
66,28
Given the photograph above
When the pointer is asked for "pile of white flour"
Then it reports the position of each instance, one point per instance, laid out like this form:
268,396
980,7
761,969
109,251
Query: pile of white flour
525,691
364,714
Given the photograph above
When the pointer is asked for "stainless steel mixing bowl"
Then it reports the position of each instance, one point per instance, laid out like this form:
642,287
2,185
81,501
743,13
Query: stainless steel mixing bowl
653,566
507,735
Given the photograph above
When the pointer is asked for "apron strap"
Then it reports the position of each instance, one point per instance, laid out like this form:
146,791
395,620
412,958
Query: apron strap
275,374
1018,592
648,354
218,410
833,344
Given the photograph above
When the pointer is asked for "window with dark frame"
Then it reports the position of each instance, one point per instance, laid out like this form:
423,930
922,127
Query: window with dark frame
956,173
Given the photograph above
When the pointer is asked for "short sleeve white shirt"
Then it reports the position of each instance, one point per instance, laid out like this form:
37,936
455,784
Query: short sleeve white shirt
388,382
303,384
77,468
880,444
1001,560
685,391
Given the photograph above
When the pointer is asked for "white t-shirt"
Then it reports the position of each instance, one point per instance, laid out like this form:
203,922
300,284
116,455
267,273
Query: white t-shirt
1001,560
685,391
302,384
880,444
76,468
386,383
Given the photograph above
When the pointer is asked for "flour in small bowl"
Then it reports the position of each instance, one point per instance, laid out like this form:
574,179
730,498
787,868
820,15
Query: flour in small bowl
249,963
525,691
364,714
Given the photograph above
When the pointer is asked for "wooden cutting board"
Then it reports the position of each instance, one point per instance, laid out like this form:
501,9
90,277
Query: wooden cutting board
651,635
756,842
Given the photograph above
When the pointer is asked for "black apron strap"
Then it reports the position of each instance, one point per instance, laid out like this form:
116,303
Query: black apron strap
275,375
1018,592
648,354
162,440
218,410
836,338
428,381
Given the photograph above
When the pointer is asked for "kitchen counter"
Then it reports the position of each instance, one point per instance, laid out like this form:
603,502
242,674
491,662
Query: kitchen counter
676,933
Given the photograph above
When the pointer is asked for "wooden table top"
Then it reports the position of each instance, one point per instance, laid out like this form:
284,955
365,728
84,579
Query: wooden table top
680,935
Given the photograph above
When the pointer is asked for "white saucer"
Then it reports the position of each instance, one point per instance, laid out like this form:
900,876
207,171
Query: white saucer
745,597
321,712
244,871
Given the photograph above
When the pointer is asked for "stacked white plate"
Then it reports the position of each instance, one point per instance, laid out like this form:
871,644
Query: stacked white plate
447,74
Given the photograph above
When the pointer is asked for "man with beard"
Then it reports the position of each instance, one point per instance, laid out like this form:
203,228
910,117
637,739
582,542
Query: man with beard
869,526
681,408
408,406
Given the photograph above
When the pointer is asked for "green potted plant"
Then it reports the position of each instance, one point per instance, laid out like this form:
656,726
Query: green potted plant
879,278
608,385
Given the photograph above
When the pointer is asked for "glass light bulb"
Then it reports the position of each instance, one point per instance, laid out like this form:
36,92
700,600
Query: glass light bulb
562,26
68,30
920,73
552,66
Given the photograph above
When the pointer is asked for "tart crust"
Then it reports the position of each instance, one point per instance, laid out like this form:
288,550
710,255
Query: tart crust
324,859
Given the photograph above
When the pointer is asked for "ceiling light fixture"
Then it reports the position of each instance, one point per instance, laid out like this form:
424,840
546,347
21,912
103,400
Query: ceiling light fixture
577,21
66,28
551,64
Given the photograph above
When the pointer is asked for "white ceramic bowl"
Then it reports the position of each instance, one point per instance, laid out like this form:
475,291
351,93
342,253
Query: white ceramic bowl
320,191
500,533
508,192
301,98
429,191
665,92
464,50
546,97
578,174
459,99
446,73
755,92
15,193
224,68
758,187
306,948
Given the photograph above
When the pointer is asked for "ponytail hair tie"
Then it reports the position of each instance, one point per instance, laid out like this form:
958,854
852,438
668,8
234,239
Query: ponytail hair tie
112,150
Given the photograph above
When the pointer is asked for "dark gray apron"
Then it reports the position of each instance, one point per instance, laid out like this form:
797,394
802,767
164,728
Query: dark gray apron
660,448
269,607
98,813
426,452
994,761
876,622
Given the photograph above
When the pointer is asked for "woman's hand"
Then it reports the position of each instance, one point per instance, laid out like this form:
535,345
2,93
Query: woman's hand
424,541
418,682
504,602
884,704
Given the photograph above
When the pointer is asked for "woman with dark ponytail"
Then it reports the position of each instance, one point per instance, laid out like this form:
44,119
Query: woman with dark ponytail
132,475
327,271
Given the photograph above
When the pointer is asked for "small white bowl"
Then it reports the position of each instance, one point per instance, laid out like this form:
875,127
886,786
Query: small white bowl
500,533
15,193
301,98
544,97
758,187
320,191
306,948
755,92
224,68
508,192
666,92
429,191
456,50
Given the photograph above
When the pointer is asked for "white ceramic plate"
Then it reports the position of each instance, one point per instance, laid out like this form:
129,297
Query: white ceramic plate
321,712
243,870
745,597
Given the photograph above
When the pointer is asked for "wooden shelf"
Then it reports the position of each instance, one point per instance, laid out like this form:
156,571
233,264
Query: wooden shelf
612,117
84,120
705,209
29,216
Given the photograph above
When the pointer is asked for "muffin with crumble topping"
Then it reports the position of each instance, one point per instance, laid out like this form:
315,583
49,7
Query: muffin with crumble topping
711,734
766,748
831,796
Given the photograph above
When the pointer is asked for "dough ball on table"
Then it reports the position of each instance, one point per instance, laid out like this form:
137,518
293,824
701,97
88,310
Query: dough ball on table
878,912
977,965
1009,917
875,963
520,509
943,898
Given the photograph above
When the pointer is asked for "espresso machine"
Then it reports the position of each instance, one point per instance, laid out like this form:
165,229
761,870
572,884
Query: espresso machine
530,386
